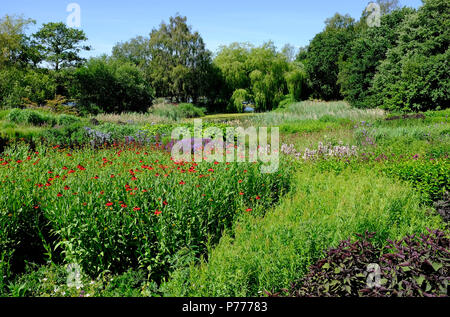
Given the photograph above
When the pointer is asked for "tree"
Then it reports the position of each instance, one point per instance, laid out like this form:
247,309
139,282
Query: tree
12,38
61,45
136,50
324,53
414,75
296,80
368,50
232,62
180,62
112,85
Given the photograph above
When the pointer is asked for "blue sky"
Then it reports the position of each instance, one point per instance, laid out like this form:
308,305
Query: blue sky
219,22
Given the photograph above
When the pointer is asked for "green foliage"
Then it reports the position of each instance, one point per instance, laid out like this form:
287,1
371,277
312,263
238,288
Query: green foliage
286,101
12,38
19,85
60,45
237,100
112,85
177,112
324,53
31,117
180,62
323,209
430,177
264,73
368,50
414,75
296,81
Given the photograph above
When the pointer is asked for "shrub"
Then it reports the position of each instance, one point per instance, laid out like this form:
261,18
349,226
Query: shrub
67,120
177,112
112,85
31,117
430,177
188,110
415,266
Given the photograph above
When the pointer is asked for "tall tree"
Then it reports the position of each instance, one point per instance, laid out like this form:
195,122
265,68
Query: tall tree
414,75
12,38
368,50
61,45
180,61
324,53
136,50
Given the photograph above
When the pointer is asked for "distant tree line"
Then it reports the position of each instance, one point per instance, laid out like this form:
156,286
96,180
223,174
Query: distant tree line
400,65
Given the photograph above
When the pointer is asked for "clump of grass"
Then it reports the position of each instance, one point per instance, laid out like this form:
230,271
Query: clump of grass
132,118
269,253
309,110
177,112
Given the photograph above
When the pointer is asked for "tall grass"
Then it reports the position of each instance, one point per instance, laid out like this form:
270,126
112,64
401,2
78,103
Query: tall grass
309,110
132,118
271,252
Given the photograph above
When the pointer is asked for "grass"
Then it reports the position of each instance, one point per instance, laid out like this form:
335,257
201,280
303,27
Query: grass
324,208
309,110
132,118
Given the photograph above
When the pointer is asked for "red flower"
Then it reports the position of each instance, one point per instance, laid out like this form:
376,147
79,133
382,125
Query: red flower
109,204
81,168
59,195
66,187
112,176
258,198
136,208
165,203
249,209
182,183
210,170
241,193
124,206
157,212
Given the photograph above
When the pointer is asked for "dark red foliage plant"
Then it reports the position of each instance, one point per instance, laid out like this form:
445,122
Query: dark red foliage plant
415,266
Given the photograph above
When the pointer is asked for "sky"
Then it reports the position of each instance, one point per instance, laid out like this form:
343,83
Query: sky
219,22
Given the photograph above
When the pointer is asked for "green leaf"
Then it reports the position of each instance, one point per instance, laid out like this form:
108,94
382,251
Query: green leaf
420,280
437,266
